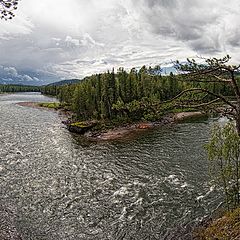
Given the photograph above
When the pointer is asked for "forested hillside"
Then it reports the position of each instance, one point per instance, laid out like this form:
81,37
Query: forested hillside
135,95
19,88
64,82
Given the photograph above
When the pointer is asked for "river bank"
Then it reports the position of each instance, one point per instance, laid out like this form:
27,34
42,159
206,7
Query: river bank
223,227
30,104
112,132
62,112
125,130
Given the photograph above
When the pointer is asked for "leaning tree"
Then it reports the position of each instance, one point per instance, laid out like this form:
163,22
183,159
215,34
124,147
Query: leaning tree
7,7
211,71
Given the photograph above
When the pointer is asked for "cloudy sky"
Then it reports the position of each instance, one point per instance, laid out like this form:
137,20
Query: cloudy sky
50,40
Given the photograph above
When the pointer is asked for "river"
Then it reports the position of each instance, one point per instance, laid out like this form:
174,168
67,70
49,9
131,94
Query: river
60,186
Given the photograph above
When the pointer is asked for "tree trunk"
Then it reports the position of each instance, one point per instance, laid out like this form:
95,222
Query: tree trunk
238,120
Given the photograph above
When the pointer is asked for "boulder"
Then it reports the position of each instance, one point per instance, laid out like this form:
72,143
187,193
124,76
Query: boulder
80,127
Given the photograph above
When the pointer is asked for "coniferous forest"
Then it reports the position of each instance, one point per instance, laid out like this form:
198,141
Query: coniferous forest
129,96
19,88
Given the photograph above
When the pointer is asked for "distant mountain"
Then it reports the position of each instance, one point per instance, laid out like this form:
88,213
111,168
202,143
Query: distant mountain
64,82
16,81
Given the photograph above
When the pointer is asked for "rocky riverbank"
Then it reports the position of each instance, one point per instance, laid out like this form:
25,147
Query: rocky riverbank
225,227
89,130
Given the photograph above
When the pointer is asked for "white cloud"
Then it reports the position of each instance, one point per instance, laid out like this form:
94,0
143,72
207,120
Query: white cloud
88,40
26,78
71,41
11,71
20,25
75,38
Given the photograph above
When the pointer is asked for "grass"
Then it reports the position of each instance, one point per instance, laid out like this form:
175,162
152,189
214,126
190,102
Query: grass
51,105
79,124
224,228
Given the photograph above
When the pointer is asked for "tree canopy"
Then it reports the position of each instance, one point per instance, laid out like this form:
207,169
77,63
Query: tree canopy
18,88
142,94
133,95
224,155
217,74
7,8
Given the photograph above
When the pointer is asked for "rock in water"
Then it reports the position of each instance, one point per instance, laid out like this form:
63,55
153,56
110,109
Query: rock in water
81,127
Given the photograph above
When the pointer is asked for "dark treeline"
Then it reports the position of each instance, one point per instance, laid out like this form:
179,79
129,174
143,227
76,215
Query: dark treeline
19,88
135,95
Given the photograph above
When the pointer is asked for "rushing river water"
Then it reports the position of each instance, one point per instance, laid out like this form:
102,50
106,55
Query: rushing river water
61,187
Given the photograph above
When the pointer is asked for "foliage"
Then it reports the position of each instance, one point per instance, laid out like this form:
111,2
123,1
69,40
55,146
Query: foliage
79,124
19,88
52,105
128,96
7,7
213,72
224,155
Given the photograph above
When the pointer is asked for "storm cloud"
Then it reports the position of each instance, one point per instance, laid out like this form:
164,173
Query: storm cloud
58,39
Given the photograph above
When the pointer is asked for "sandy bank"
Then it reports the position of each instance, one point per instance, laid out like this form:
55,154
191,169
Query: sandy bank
186,115
120,132
123,131
29,104
62,113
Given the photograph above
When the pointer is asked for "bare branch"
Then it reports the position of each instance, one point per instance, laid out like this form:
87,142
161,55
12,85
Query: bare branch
222,79
235,86
201,104
208,81
203,90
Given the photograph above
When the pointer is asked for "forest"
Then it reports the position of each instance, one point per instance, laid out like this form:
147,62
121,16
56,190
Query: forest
19,88
142,94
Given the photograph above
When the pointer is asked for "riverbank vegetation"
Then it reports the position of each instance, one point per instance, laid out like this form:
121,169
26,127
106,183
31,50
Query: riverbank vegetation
226,227
224,145
224,157
138,95
51,105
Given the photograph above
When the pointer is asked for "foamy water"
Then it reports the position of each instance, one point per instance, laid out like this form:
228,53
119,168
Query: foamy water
61,186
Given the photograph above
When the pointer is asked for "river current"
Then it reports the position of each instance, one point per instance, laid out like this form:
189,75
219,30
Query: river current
61,187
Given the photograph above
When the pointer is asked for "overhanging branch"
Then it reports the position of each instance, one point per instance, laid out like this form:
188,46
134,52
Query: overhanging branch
201,104
207,81
219,96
